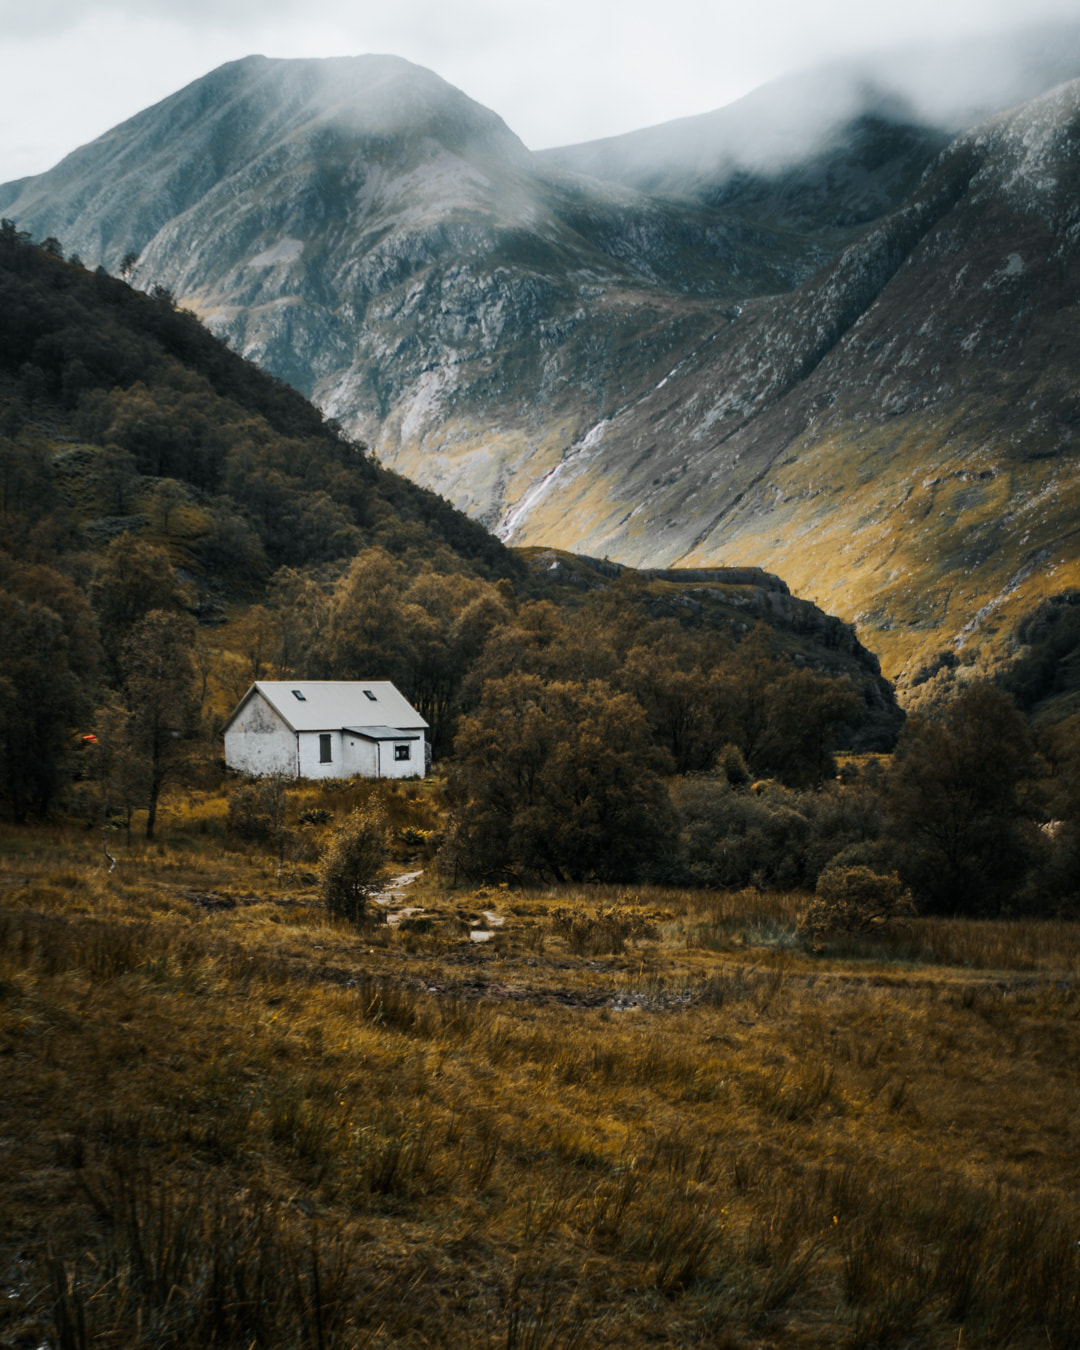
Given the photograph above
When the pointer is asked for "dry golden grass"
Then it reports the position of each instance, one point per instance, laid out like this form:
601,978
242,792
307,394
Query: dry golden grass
628,1118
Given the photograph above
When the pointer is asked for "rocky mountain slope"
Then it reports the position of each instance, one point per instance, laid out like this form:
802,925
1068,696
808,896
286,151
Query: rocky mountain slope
852,368
898,436
387,246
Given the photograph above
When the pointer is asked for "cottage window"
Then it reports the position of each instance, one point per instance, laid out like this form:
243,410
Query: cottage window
371,696
401,752
324,748
297,693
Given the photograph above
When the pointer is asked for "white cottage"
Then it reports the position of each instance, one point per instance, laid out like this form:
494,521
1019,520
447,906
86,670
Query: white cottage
326,729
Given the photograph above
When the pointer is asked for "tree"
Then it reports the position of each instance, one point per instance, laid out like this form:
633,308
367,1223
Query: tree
785,720
558,780
806,710
744,681
347,871
854,900
41,700
159,685
132,579
26,486
1057,882
120,763
169,496
363,630
955,820
422,630
680,704
49,657
117,480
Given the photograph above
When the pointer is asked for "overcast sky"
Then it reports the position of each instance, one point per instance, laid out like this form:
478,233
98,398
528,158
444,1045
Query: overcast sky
558,72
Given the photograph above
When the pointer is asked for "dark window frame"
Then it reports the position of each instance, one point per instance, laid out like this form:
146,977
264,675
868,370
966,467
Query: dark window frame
326,748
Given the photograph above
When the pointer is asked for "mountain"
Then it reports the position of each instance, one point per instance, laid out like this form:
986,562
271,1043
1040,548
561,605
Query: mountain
851,366
387,246
898,436
122,415
842,143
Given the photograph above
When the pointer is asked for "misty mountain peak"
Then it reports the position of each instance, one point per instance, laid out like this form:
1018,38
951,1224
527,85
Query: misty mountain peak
375,95
940,89
305,127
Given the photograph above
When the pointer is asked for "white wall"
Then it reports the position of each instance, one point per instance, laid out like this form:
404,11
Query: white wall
310,766
259,742
413,767
376,759
361,756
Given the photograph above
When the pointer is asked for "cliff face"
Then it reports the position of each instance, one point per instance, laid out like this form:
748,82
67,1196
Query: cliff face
854,369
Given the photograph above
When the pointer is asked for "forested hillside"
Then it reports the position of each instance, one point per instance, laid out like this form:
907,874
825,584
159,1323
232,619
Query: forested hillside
176,525
120,391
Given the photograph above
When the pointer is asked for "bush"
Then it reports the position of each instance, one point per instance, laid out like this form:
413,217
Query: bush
559,781
853,900
351,863
767,836
732,765
604,933
735,838
257,810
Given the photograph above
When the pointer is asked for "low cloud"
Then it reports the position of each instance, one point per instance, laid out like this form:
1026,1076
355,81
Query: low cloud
572,70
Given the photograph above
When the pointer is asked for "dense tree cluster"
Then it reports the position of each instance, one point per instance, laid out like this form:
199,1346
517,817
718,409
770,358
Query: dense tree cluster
160,397
558,779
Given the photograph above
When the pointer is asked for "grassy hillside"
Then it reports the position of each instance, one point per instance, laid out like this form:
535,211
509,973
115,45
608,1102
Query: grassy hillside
629,1118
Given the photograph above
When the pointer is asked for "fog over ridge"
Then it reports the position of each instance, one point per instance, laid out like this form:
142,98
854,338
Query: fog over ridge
948,86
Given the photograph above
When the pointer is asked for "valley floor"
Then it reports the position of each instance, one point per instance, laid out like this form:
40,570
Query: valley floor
637,1117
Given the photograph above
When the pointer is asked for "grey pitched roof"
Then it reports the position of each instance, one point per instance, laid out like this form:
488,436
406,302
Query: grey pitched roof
329,705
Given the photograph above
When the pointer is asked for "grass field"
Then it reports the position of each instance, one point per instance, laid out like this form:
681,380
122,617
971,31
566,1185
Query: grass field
622,1118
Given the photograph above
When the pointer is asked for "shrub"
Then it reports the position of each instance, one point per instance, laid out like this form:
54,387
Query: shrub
257,810
604,933
853,900
735,838
767,836
351,863
556,780
732,765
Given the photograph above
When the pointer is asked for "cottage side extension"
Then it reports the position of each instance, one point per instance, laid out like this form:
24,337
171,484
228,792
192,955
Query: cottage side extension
326,729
